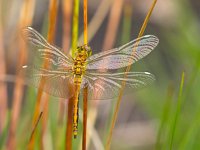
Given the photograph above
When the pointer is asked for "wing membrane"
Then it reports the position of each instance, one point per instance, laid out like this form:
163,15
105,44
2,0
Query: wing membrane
56,83
103,86
58,76
44,51
124,55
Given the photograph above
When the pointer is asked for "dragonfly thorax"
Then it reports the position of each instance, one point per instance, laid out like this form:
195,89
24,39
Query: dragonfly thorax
83,52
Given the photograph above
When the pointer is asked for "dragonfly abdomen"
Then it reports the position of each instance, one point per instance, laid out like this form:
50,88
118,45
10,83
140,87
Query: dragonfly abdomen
77,82
75,118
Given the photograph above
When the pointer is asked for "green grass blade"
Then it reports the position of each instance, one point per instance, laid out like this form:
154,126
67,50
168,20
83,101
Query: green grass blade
165,116
177,113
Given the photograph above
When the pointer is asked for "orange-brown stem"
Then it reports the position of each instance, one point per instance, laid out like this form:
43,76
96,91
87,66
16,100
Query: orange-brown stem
124,83
85,108
69,130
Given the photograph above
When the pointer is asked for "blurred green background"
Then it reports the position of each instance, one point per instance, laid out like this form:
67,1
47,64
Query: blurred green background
160,116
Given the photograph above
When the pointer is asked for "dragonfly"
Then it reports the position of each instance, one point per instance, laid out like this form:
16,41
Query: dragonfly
65,75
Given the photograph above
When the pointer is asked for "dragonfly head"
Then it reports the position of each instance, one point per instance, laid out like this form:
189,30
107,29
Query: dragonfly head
84,50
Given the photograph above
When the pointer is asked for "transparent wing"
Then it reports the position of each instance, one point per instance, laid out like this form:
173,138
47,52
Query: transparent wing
124,55
105,86
57,83
44,51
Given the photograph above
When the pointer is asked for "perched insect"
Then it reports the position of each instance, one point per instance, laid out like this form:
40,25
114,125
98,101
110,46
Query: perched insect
65,76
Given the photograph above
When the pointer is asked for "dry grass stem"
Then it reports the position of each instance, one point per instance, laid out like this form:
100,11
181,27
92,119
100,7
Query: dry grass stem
25,19
68,143
124,83
67,12
93,26
51,34
53,10
92,133
85,18
85,109
97,19
85,90
33,131
3,87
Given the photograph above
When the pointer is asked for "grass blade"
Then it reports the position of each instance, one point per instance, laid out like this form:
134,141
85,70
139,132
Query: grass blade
165,116
178,109
75,26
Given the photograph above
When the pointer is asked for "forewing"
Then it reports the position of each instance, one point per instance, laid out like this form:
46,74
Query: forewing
42,50
56,83
124,55
106,86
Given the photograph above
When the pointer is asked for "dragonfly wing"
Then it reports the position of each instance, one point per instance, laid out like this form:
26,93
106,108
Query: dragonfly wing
105,86
124,55
45,51
56,83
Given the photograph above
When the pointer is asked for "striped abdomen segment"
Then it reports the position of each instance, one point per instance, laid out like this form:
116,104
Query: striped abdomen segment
77,82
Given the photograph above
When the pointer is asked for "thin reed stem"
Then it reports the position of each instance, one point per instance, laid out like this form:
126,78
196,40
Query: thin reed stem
37,113
113,24
93,26
85,109
97,19
124,83
45,98
50,38
33,131
75,26
68,144
85,90
85,21
67,12
53,11
147,19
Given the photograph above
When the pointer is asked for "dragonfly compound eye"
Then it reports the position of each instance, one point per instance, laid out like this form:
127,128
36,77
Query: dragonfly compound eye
89,50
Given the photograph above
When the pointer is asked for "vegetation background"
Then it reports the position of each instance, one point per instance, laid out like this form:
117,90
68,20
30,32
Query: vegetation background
165,115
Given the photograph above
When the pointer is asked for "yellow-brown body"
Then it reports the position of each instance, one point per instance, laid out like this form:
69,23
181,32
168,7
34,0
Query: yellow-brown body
79,68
